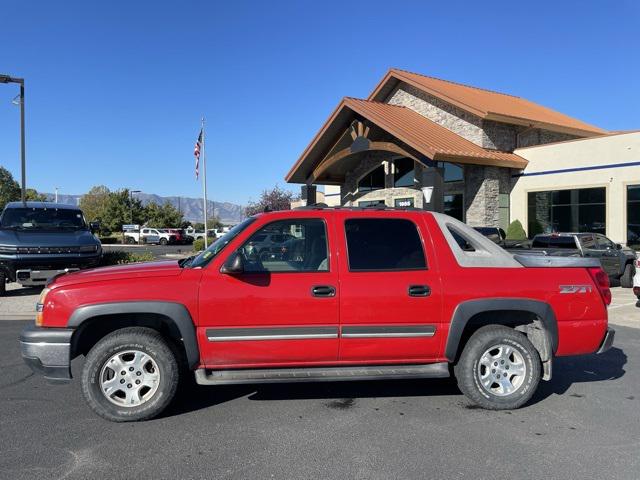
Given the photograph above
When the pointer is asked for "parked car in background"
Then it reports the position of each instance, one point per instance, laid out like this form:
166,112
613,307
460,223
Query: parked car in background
357,303
179,234
617,261
40,240
150,236
498,236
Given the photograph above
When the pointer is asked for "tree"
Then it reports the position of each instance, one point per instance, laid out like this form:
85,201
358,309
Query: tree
31,194
185,224
515,231
94,202
214,223
121,209
9,188
271,200
162,216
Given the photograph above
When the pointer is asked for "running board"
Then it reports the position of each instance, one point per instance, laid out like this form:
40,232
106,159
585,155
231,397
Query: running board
321,374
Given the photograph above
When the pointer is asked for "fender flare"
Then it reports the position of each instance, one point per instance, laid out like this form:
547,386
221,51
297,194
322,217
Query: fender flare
466,310
176,312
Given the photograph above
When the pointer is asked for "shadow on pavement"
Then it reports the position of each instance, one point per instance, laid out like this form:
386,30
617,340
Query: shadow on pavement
567,371
581,369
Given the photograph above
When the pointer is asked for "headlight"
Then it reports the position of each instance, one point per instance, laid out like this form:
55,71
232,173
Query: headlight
40,307
88,248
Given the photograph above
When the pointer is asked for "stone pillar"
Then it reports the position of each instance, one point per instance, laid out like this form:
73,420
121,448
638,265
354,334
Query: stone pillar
482,187
433,177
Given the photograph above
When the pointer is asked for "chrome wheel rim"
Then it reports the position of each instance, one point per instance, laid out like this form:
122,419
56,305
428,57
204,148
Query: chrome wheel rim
129,378
501,370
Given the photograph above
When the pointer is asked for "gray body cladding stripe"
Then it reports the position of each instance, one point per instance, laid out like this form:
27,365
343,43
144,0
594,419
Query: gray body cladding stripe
306,333
277,333
389,331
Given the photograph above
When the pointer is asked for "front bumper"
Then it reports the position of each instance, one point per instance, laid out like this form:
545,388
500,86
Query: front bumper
47,351
607,341
31,278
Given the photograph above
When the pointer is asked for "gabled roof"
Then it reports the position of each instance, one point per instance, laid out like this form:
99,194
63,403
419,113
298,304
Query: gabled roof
421,134
486,104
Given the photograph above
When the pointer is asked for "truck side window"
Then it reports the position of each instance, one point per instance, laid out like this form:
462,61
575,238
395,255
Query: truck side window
588,242
287,246
376,244
604,243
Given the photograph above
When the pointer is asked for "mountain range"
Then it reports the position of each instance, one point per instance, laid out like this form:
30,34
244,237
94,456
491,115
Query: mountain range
191,208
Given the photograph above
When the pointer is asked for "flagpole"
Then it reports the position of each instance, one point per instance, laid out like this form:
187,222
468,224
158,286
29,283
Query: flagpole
204,187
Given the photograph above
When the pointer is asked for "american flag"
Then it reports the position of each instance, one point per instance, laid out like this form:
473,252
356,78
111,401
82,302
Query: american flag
196,153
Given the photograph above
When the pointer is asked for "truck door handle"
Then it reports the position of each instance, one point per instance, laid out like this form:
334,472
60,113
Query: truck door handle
323,291
419,291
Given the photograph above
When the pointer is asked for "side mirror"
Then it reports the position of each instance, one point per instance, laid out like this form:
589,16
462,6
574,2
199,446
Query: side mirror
234,265
94,226
618,246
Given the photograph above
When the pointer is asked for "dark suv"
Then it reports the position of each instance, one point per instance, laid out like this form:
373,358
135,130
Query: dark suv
39,240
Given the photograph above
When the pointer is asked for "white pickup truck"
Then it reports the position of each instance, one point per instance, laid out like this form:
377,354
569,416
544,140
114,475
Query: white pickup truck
149,236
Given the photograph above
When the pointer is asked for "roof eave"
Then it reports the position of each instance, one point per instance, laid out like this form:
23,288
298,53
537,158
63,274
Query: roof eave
553,127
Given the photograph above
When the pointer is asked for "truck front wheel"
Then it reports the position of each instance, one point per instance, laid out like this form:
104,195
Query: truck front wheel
131,374
499,368
3,284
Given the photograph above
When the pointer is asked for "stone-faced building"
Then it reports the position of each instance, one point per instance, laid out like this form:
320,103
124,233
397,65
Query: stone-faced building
429,143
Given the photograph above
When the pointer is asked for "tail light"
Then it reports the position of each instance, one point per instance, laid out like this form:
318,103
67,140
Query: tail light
601,280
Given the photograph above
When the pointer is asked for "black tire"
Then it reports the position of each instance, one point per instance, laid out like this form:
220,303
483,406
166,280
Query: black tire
468,370
626,280
144,340
163,241
3,284
130,240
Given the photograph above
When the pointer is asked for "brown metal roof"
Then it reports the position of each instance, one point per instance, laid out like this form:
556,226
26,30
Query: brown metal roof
486,103
416,131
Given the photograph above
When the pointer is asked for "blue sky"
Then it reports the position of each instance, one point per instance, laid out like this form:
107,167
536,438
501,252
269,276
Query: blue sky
115,90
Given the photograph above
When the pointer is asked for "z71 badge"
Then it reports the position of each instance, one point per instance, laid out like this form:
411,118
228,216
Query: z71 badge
576,289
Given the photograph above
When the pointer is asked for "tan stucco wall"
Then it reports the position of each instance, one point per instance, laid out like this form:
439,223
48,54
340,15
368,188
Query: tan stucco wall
607,150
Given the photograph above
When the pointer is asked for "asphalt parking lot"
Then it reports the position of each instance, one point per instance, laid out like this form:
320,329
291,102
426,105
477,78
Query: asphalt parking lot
583,424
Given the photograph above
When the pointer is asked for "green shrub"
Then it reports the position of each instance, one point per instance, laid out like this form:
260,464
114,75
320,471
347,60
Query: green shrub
198,245
516,231
118,257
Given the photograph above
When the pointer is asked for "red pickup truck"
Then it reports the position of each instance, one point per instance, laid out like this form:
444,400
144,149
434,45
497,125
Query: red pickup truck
353,294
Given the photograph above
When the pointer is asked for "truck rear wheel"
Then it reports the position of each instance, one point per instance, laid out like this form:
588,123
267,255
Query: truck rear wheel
3,284
499,368
131,374
626,280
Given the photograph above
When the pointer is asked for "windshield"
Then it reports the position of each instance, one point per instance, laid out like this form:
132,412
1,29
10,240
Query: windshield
216,247
43,219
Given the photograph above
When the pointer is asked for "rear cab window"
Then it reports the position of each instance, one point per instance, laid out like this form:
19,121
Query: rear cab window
383,244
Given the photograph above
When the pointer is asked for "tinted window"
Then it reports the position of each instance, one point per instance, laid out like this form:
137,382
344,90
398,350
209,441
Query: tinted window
287,246
403,175
461,240
383,244
604,243
372,181
553,242
588,242
43,219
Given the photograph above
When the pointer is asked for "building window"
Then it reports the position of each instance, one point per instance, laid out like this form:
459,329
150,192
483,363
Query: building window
403,172
374,180
453,206
452,172
370,203
633,216
578,210
403,202
372,248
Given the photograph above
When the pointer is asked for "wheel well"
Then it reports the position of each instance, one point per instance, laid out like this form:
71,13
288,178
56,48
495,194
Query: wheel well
91,330
526,322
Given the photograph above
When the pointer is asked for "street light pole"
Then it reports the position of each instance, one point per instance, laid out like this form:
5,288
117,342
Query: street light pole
20,81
